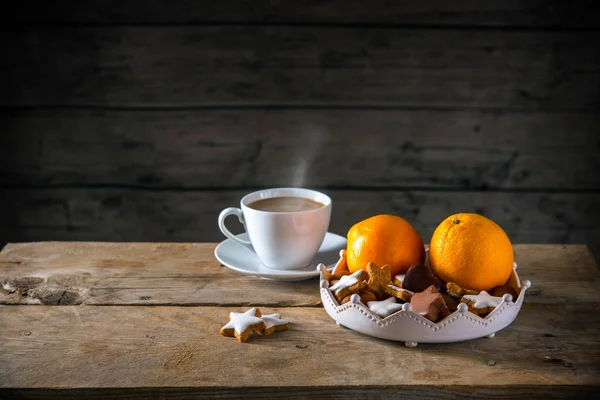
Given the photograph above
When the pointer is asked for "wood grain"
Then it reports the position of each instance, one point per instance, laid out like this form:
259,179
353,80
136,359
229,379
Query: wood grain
179,347
496,13
66,273
190,216
362,148
136,273
299,66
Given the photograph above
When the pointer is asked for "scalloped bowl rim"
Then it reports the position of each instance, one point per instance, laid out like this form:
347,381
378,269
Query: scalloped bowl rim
410,327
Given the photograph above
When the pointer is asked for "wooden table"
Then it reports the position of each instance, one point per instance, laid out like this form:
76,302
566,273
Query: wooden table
136,319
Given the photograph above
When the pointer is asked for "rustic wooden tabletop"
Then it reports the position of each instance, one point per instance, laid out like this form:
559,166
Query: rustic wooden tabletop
140,319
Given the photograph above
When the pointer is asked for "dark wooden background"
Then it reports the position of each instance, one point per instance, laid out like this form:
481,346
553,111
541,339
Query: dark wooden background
140,121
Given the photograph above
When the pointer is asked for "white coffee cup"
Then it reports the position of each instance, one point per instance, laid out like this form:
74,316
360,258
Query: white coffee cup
282,240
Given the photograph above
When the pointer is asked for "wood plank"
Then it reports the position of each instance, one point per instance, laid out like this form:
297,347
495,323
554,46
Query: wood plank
136,273
277,392
365,148
67,273
181,347
298,66
107,214
535,13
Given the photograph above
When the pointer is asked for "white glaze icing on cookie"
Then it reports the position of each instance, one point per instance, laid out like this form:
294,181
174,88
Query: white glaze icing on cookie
242,321
385,307
272,320
400,277
484,300
346,281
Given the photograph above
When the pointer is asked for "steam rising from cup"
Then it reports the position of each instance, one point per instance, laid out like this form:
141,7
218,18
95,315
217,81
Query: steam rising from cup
313,140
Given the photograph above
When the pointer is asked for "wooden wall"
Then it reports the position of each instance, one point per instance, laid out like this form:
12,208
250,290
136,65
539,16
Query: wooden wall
140,121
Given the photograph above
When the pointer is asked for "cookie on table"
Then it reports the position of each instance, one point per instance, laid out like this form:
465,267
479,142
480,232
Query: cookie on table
241,325
273,323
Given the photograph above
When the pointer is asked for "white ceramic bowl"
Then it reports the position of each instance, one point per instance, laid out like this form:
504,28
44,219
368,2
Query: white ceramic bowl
411,328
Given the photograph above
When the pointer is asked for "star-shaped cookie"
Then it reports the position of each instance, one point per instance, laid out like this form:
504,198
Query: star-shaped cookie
384,308
349,284
482,303
379,278
273,323
380,283
241,325
398,292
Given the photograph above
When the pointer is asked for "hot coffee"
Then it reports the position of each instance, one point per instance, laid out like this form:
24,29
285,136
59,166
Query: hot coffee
285,204
285,226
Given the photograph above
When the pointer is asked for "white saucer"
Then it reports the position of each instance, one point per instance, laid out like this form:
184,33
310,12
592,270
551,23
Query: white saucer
240,259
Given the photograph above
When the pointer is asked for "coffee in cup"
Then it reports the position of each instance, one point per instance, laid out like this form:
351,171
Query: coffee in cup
286,226
285,204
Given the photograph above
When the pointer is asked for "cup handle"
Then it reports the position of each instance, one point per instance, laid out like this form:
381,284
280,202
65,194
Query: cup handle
238,213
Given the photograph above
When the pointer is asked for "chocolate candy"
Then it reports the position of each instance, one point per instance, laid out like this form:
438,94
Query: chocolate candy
428,303
500,291
419,277
444,312
450,302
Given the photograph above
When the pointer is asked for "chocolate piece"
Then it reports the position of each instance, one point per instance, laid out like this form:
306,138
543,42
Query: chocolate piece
419,277
444,312
450,302
428,303
500,291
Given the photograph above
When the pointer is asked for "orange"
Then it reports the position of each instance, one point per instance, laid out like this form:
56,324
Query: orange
384,239
471,251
